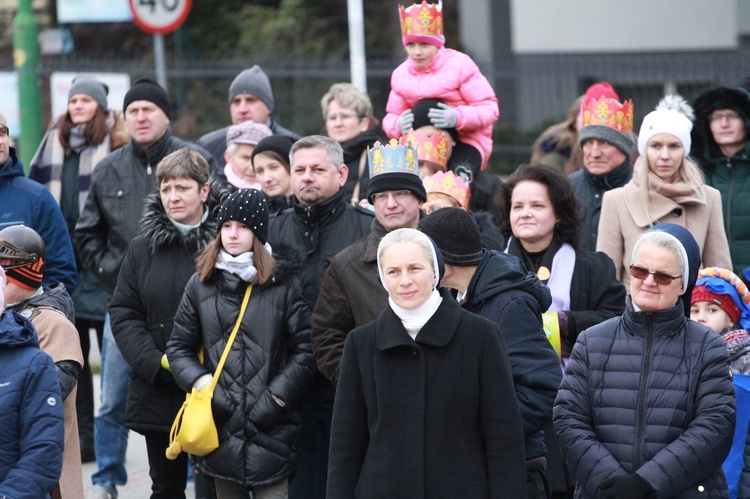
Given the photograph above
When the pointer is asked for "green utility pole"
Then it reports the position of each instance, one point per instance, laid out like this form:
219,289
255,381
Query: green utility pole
26,62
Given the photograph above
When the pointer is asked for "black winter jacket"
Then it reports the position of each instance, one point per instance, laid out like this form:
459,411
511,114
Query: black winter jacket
503,291
648,392
320,231
270,355
589,190
114,206
153,276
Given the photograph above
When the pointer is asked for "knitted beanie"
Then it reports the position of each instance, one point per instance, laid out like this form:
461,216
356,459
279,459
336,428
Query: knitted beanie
726,302
249,207
624,141
456,234
247,132
92,87
148,89
280,144
253,81
4,122
667,119
401,173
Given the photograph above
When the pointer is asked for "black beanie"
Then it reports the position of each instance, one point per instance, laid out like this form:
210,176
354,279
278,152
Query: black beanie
280,144
396,181
147,88
421,119
249,207
456,234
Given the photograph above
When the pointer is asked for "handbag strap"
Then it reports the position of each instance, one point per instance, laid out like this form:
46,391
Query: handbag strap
224,355
362,163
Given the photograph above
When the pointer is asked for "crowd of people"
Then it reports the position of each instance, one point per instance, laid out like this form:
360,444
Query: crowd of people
407,325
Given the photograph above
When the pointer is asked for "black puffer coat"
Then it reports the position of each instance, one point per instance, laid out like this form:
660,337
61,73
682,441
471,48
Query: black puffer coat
355,151
153,276
270,355
648,392
503,291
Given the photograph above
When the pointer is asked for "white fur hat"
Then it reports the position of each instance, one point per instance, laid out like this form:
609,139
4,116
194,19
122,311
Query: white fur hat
673,116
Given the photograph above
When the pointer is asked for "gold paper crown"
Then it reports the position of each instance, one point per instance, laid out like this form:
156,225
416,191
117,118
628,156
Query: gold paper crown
608,112
448,183
434,148
392,158
425,19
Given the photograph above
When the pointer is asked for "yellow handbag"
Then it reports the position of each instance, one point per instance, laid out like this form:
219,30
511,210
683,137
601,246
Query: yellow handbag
193,430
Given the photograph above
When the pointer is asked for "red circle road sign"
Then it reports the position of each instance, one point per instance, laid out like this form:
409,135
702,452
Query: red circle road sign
159,17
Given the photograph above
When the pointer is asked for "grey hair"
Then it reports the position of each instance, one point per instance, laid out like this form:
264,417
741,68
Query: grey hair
349,96
665,240
406,236
332,148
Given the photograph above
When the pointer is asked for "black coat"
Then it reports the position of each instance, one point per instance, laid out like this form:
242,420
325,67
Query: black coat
431,417
153,276
320,232
648,392
503,291
589,190
114,206
270,355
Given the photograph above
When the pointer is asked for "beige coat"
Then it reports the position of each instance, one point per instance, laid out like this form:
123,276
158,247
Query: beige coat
58,338
623,219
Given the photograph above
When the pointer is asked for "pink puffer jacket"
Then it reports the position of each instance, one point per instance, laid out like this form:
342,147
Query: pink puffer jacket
455,79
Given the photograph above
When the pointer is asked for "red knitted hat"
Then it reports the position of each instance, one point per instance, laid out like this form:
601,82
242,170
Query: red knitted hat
701,293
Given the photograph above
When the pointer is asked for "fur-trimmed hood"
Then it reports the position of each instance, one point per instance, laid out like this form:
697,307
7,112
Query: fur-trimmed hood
156,225
736,98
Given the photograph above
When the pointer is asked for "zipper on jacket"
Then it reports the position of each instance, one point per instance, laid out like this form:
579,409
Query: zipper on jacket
640,409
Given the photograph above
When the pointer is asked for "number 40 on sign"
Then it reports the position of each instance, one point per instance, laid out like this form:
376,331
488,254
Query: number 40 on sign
159,17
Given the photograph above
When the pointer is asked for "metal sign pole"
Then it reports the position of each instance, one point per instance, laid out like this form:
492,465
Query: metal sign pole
159,64
357,58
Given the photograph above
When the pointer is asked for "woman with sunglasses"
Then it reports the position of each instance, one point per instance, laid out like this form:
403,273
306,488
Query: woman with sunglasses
646,407
667,186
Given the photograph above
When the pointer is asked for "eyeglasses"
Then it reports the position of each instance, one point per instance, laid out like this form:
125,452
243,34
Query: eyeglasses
398,196
659,277
343,116
729,116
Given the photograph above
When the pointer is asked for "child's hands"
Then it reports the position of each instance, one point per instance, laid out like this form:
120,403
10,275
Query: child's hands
445,117
405,121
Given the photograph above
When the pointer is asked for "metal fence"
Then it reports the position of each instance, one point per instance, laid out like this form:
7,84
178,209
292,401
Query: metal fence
534,91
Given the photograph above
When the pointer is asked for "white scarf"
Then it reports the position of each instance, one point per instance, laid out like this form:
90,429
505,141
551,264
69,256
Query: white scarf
414,320
238,181
241,265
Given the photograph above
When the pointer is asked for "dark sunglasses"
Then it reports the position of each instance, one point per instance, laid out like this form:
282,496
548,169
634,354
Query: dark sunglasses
659,277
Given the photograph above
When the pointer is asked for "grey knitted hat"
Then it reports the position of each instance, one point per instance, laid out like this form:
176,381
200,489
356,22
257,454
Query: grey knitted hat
91,87
253,81
622,140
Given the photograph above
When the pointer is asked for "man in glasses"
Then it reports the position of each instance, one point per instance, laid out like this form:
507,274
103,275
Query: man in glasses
720,144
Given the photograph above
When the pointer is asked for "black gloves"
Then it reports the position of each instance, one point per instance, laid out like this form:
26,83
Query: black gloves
625,487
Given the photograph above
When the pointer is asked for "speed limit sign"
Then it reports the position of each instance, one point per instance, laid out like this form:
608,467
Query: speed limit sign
160,17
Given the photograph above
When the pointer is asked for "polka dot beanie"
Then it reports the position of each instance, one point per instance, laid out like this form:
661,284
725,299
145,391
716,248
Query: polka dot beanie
249,207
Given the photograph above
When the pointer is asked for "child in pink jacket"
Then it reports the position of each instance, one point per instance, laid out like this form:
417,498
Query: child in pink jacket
468,103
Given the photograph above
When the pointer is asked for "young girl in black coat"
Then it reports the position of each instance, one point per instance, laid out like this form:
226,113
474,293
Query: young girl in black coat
270,362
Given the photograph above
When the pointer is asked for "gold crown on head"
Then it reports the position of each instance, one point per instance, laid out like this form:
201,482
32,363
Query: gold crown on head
434,148
450,184
421,19
608,112
392,158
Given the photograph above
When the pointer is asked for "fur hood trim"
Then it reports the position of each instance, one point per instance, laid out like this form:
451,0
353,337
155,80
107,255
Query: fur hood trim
160,230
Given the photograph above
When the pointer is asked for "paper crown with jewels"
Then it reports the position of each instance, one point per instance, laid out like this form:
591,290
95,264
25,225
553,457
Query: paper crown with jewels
434,148
422,23
392,158
448,183
608,112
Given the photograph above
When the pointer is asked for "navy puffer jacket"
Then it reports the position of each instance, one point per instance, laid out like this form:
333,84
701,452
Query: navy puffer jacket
651,393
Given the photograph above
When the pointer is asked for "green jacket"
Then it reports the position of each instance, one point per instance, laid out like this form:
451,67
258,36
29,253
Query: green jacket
731,176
